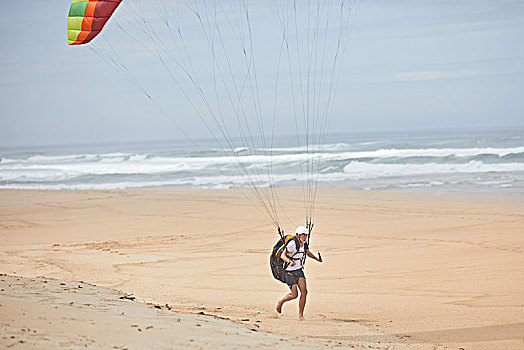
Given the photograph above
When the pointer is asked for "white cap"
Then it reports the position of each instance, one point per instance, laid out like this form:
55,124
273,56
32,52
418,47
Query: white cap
302,230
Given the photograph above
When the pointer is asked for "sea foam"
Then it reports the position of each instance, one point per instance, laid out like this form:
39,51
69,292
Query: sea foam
362,164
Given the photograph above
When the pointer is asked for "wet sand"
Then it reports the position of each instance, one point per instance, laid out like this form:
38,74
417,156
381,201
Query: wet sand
400,271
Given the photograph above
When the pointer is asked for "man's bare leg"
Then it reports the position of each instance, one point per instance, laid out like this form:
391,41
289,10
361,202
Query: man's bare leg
288,297
303,295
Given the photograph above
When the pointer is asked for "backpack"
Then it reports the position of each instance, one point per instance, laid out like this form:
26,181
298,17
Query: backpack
278,266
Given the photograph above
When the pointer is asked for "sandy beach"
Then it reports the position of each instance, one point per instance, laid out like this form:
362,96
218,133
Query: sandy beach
400,271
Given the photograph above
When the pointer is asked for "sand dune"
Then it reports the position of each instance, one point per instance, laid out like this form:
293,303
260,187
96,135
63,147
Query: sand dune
43,313
400,270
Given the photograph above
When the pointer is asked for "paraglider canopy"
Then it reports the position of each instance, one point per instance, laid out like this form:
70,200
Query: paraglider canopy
87,18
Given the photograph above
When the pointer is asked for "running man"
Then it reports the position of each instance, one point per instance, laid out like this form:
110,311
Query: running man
295,278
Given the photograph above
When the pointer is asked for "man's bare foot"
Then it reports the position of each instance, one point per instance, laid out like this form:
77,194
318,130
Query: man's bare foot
301,318
279,308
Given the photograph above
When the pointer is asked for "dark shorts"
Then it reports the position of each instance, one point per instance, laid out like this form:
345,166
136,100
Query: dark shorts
293,276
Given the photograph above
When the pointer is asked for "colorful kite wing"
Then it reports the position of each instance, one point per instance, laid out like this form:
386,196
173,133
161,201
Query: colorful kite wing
87,19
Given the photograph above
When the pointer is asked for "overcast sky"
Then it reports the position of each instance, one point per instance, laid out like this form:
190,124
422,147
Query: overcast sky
410,64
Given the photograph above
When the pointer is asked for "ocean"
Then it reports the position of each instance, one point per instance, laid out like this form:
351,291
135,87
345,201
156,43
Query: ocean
464,162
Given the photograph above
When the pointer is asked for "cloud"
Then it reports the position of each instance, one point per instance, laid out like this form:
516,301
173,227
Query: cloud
435,19
455,70
430,75
411,29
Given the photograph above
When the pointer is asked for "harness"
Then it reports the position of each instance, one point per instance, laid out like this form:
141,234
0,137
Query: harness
297,245
278,266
